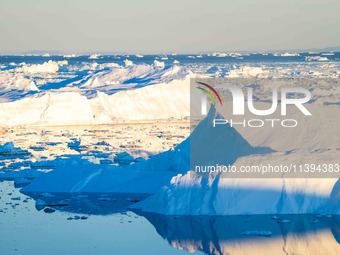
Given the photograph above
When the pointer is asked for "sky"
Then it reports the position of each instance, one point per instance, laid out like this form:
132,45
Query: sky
181,26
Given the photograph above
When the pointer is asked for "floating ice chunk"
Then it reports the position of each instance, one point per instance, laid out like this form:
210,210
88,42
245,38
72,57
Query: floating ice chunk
316,58
40,202
94,56
63,63
139,159
75,143
32,86
158,63
220,55
47,67
49,210
257,233
128,62
76,217
102,143
22,181
8,149
290,54
25,173
105,161
176,62
139,56
123,159
71,56
15,84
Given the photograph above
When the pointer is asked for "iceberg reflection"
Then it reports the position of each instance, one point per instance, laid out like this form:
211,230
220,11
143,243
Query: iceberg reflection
290,234
247,234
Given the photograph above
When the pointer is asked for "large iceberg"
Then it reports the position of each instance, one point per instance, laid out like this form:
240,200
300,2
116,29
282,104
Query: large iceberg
227,194
79,175
191,193
138,92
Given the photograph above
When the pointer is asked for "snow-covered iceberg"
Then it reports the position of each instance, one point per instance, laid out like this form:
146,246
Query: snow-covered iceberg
192,194
8,149
230,194
79,175
47,67
15,86
119,95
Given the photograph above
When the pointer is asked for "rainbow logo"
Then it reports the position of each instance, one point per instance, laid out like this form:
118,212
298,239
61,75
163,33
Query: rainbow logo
209,93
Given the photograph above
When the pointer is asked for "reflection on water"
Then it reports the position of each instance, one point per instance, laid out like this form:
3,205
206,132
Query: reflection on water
289,234
88,203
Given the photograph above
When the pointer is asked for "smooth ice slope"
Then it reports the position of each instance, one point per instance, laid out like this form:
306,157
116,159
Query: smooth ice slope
77,175
190,194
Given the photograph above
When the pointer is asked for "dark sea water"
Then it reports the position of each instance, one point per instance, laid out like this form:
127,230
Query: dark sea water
183,59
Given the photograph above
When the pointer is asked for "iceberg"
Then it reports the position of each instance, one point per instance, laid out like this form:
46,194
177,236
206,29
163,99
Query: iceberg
8,149
178,191
79,175
47,67
128,62
158,63
222,194
121,94
94,56
191,194
15,86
